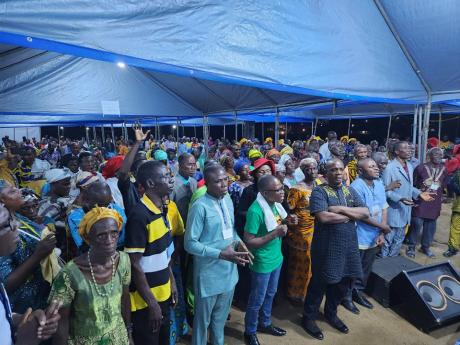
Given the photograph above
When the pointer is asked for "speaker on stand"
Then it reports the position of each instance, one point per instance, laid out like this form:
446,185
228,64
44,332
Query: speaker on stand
428,296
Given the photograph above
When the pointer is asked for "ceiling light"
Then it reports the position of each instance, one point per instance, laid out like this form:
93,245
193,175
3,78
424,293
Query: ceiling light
121,64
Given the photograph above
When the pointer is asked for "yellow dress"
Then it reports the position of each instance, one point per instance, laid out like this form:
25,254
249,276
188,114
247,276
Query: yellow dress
299,241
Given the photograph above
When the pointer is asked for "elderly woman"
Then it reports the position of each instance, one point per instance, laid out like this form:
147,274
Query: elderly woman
94,287
299,237
289,165
20,271
227,162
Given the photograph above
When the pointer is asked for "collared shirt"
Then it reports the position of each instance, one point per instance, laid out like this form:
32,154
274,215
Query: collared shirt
182,193
324,152
149,232
5,318
374,198
206,236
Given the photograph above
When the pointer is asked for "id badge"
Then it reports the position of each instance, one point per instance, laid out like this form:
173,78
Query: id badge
434,186
227,233
375,211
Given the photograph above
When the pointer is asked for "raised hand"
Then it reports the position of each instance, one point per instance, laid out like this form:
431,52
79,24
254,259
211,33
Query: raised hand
140,135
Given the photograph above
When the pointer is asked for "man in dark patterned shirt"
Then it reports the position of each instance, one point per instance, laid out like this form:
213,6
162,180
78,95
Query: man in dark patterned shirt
334,250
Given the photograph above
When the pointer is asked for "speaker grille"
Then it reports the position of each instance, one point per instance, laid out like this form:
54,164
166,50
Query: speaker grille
450,287
432,295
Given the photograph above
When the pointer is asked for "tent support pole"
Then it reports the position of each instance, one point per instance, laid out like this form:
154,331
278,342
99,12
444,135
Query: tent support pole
59,134
103,134
177,128
224,132
94,134
389,128
87,135
286,131
236,126
414,127
263,130
419,133
113,133
426,129
439,127
194,130
349,127
205,134
315,126
277,127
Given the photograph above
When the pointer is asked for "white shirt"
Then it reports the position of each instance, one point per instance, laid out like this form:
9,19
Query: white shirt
5,330
324,152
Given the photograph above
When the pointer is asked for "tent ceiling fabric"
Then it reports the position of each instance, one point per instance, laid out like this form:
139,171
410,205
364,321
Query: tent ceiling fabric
254,43
430,31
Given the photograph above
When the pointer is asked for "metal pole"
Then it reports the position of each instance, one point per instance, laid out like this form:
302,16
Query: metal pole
414,127
286,131
205,134
439,127
94,134
419,134
113,133
389,128
316,126
59,136
426,129
87,135
177,127
312,124
277,127
194,130
224,131
103,134
263,130
349,127
236,126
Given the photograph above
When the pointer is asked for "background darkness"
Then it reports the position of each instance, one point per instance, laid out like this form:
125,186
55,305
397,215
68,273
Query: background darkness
374,129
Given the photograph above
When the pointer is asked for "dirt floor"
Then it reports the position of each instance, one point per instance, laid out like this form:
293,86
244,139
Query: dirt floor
377,326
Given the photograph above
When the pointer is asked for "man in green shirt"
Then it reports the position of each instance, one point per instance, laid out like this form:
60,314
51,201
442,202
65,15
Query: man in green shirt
262,233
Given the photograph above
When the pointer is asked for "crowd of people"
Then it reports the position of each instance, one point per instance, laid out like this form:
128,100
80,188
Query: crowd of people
146,241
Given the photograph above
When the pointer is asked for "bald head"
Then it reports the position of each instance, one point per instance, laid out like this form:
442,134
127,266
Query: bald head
97,193
266,182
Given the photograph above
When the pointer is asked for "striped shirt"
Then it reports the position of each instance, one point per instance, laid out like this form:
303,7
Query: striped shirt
149,233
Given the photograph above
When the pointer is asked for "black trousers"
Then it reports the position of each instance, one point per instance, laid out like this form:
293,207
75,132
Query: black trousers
142,332
367,260
317,288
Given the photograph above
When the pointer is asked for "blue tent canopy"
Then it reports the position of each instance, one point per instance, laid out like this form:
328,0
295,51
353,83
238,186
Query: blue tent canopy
186,59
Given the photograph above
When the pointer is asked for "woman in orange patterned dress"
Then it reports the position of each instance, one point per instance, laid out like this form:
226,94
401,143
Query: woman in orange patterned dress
299,237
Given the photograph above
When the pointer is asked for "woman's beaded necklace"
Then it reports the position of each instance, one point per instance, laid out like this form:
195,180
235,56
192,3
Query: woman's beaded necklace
99,292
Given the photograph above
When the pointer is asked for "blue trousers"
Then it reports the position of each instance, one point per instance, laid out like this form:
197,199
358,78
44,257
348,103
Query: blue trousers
211,312
429,228
393,242
259,308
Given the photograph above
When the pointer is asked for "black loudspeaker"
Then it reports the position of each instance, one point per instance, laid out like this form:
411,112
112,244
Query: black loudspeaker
383,272
428,297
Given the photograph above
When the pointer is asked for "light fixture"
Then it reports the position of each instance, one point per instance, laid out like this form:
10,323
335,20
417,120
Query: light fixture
87,128
303,129
121,64
61,128
174,126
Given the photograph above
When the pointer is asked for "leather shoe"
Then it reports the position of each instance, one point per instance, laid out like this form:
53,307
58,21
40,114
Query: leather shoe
272,330
350,306
312,328
359,298
251,339
427,252
450,252
337,324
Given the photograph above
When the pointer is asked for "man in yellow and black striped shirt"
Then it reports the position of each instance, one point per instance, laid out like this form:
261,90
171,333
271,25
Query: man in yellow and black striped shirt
150,247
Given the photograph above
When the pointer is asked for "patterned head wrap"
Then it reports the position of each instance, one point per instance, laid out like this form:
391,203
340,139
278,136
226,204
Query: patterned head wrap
56,175
112,166
160,155
287,150
95,215
85,178
271,153
253,154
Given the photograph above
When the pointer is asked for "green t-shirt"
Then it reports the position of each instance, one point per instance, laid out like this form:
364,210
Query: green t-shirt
268,257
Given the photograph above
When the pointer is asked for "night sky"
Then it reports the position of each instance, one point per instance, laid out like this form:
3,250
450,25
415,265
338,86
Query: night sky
374,129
